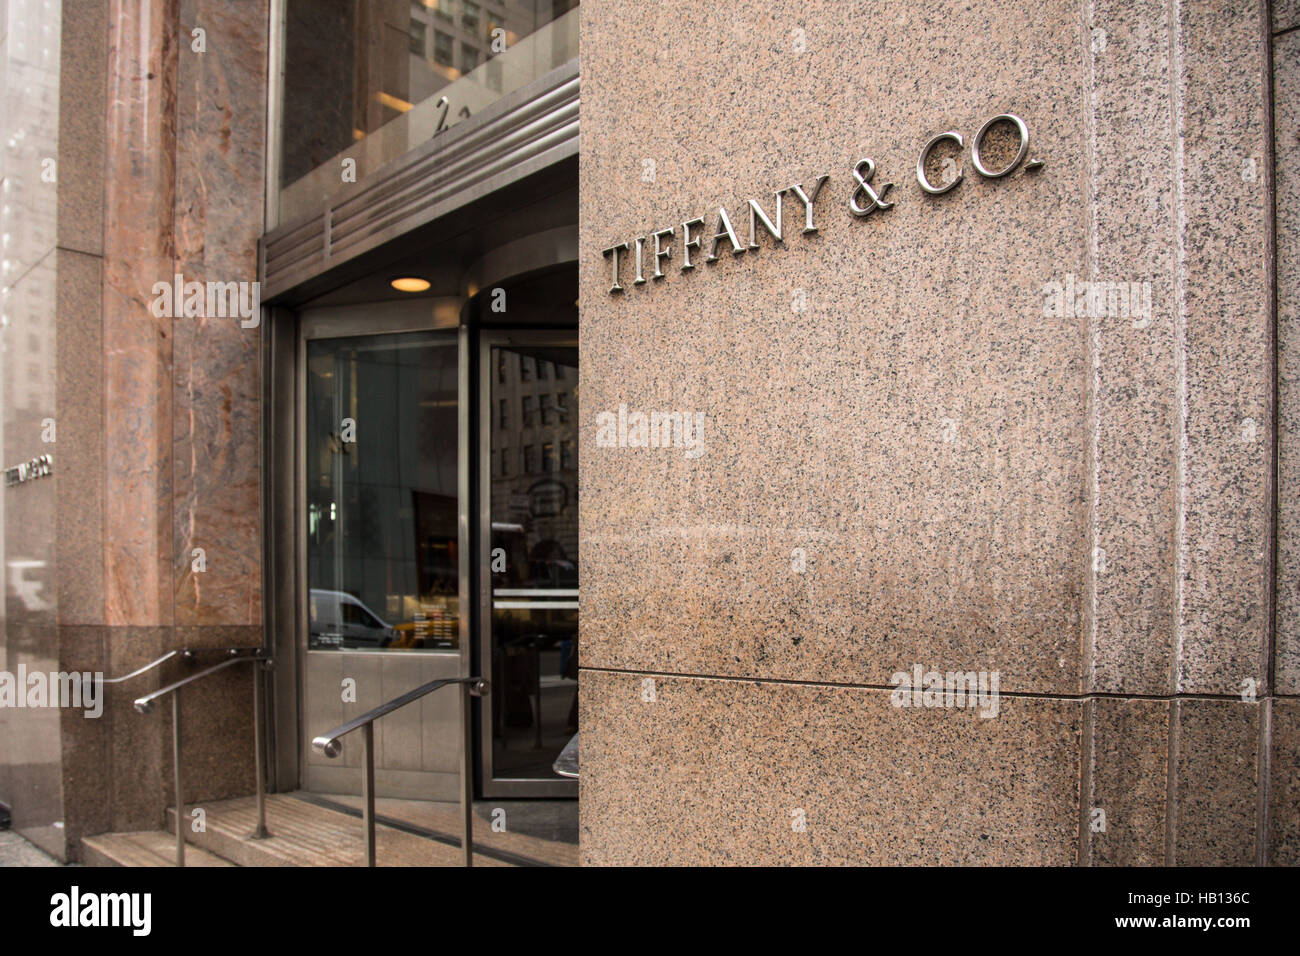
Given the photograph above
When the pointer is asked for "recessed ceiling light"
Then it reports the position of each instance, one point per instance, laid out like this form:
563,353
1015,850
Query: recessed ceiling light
410,284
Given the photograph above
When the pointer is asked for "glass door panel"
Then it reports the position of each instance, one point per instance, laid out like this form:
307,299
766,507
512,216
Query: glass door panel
530,481
381,509
382,492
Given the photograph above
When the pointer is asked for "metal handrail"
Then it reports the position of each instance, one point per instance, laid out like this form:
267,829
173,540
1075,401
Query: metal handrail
329,744
185,655
144,705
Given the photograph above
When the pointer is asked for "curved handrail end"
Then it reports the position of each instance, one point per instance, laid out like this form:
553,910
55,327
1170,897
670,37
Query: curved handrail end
329,746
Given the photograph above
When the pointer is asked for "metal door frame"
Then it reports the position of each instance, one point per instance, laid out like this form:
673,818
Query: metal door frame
377,318
486,340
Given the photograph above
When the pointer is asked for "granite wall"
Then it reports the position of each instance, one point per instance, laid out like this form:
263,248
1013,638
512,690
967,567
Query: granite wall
31,761
917,452
159,135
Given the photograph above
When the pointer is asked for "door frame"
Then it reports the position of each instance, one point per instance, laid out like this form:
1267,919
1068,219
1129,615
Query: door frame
285,604
487,338
375,318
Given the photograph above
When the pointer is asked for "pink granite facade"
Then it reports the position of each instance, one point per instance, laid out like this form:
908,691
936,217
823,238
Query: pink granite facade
914,456
161,158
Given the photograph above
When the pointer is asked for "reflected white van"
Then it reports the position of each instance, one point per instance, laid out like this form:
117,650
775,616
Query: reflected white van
336,619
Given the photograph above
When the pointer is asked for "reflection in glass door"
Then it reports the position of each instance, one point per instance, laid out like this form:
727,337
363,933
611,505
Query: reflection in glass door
382,547
381,492
529,471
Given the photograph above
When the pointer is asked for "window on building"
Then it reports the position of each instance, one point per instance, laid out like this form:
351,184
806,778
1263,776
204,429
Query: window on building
525,369
548,457
352,67
527,404
548,409
502,417
468,57
442,48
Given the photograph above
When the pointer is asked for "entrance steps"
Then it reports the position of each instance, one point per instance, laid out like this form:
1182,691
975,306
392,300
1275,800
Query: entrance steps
144,848
311,830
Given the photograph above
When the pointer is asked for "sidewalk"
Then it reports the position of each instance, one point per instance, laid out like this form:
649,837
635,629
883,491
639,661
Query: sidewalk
15,851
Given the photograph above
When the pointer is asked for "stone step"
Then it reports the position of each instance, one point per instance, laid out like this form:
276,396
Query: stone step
143,848
304,834
545,845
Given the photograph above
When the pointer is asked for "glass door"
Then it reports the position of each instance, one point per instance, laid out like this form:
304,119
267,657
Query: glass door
381,512
528,427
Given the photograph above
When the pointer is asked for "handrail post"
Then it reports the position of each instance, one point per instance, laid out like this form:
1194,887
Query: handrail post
259,705
368,789
466,775
330,745
176,778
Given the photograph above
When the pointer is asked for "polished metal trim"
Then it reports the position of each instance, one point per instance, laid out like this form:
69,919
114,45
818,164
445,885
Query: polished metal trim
976,145
464,441
188,656
176,776
388,654
274,112
534,605
930,144
523,132
302,586
375,318
371,318
280,544
522,256
145,705
535,592
330,745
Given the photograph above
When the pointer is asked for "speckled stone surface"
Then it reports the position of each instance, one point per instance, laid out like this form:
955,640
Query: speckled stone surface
1129,596
907,459
721,772
161,165
969,479
1284,784
1286,14
1217,780
31,761
1221,270
1286,119
1126,775
916,431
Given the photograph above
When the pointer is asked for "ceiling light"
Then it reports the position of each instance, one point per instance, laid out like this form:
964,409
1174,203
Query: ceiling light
410,284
